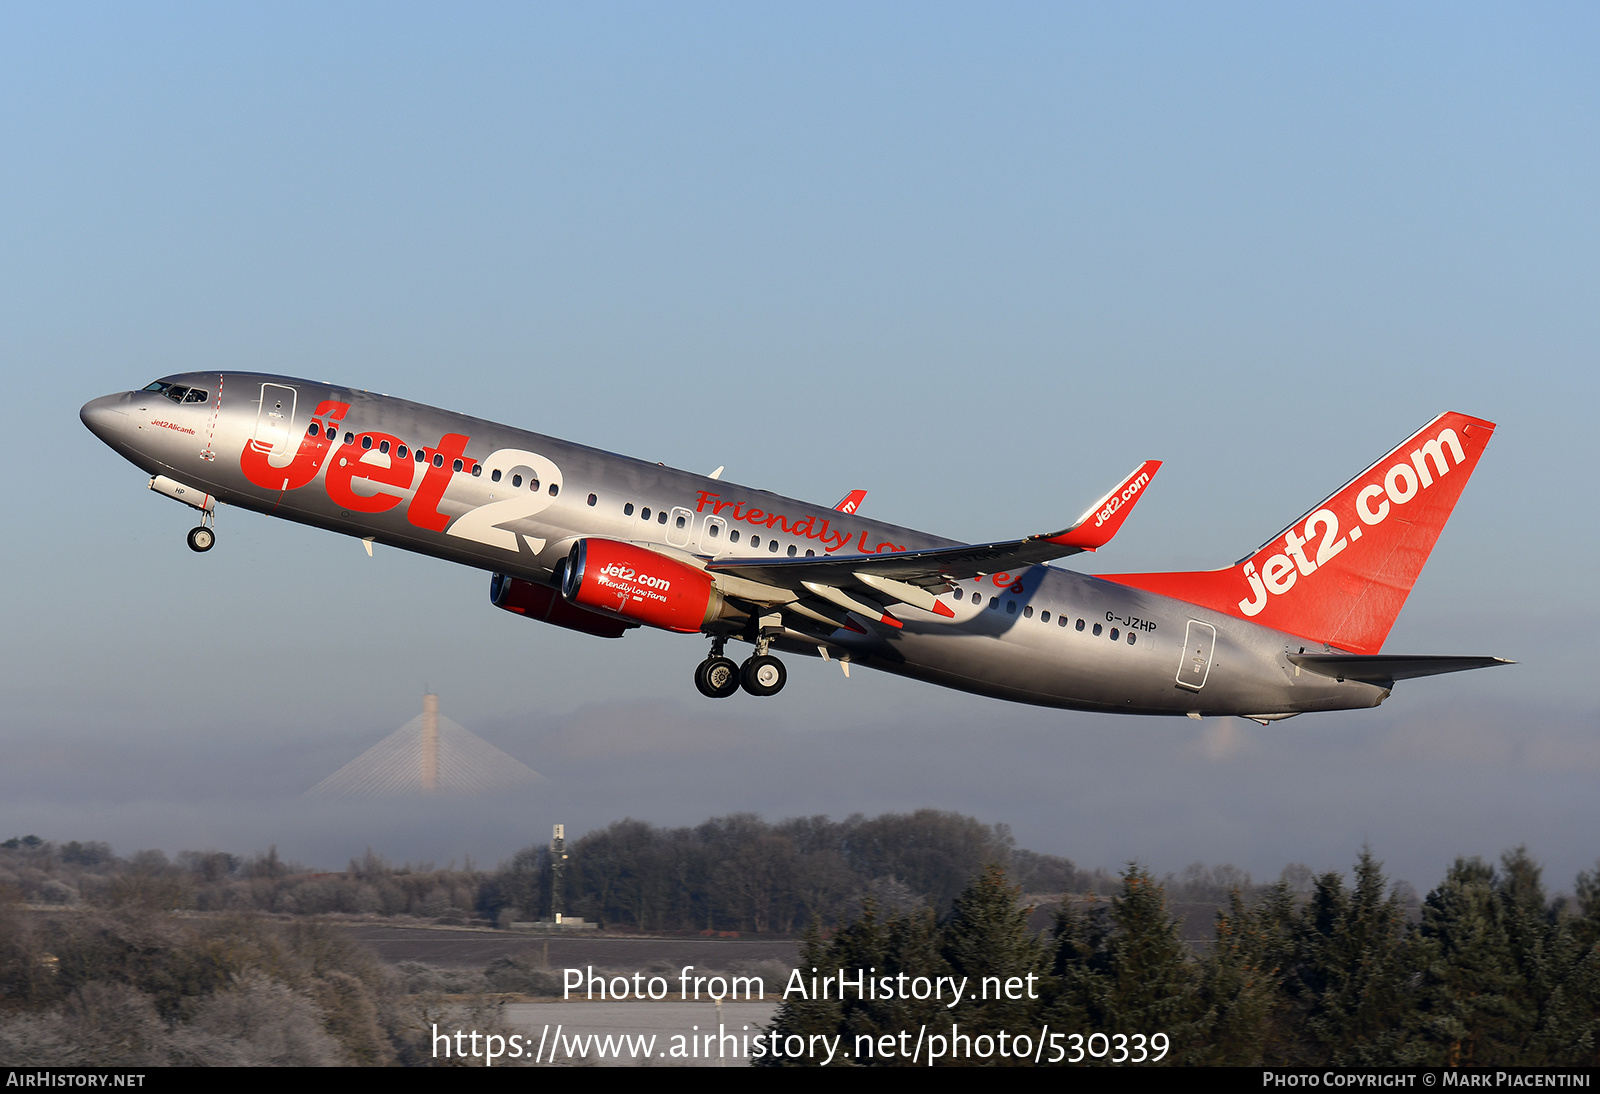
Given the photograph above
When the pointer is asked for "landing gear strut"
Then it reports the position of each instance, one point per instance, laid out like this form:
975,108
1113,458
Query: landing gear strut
764,674
717,677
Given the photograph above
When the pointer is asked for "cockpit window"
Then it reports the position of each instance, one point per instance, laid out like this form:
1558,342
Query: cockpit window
178,393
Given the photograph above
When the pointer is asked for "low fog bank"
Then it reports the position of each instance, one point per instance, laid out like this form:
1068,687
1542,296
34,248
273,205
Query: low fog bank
1418,782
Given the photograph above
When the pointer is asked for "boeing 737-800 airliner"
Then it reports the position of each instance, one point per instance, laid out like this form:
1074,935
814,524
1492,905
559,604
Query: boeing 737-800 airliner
600,543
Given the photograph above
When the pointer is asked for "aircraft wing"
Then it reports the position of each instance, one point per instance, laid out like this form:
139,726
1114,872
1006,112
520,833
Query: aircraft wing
864,583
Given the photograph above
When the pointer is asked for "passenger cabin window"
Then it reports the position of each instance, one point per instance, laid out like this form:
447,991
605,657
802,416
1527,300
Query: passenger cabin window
1011,607
516,480
349,438
733,535
772,545
313,429
977,599
644,514
680,522
366,443
1131,637
401,452
1097,630
811,554
793,550
555,488
1114,634
627,510
593,499
1027,612
713,529
1080,625
755,541
1044,617
958,594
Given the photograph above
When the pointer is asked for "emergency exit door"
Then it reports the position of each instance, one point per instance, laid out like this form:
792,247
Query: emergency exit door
1199,641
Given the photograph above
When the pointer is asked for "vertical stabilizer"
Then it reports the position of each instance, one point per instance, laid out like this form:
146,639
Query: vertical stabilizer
1340,574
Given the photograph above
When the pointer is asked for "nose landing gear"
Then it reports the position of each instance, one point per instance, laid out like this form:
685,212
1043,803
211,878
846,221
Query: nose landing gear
202,539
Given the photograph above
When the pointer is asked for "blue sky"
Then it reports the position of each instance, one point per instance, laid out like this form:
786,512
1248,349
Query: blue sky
979,262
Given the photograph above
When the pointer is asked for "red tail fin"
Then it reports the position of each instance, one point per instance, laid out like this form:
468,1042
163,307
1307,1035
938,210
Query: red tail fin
1341,573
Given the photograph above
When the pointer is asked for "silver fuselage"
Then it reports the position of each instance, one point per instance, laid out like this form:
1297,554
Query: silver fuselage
247,445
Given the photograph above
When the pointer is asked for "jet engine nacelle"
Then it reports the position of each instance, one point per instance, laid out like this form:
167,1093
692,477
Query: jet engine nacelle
640,585
542,602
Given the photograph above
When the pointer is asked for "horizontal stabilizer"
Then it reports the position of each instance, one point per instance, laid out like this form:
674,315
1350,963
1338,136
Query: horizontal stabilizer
1384,670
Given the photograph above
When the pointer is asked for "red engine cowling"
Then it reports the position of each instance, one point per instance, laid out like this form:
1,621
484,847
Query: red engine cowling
542,602
638,584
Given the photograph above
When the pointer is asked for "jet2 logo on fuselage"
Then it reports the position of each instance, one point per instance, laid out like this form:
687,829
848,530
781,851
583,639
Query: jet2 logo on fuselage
385,469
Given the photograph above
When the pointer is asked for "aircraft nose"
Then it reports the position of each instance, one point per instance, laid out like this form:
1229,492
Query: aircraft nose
106,417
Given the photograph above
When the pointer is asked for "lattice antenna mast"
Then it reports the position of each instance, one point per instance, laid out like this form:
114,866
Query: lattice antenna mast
558,868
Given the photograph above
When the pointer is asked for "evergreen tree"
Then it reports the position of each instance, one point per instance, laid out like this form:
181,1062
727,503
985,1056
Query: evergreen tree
1124,969
1353,963
987,941
1239,993
1470,1004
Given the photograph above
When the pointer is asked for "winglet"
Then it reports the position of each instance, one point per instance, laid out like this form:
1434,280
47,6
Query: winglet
851,501
1103,519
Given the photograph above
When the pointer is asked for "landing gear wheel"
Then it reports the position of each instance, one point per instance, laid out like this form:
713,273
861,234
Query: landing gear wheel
763,675
201,539
716,677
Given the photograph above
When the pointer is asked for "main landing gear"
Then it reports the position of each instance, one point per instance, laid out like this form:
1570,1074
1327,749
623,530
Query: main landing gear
718,677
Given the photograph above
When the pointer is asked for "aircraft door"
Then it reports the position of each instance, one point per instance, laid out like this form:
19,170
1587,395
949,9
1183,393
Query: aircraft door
680,528
1199,641
275,420
714,536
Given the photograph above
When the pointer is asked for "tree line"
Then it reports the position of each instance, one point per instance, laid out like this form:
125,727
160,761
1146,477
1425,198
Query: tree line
733,873
1490,972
